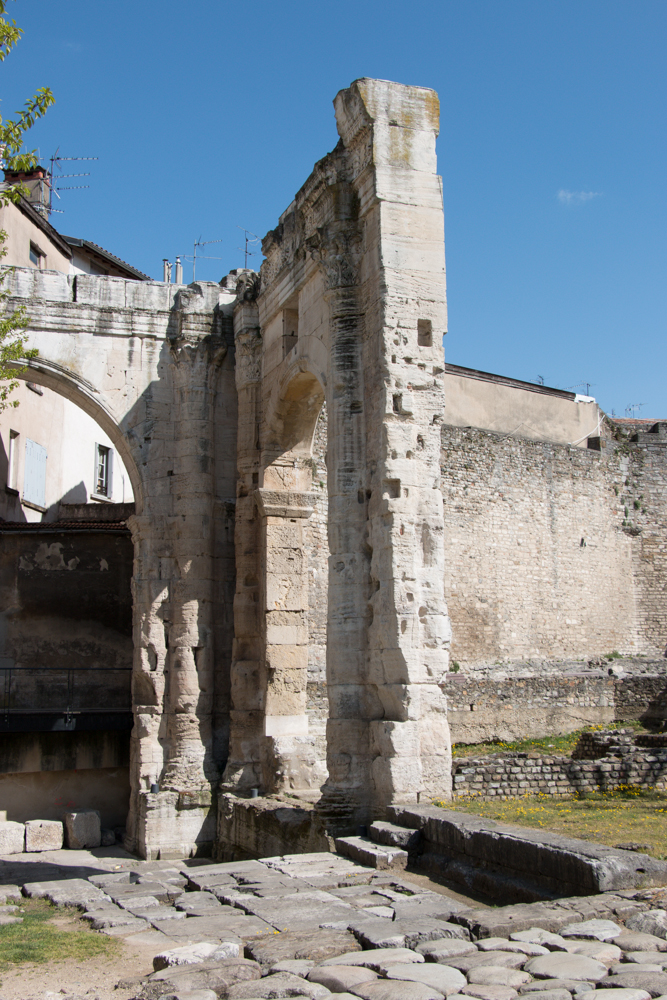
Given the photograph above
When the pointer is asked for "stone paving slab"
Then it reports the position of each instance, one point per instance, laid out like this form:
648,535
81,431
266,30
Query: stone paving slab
356,932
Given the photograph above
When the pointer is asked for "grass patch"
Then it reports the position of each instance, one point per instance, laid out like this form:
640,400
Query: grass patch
37,939
625,815
555,746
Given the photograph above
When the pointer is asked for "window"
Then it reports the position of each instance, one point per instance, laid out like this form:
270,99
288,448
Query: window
103,471
34,475
13,460
37,258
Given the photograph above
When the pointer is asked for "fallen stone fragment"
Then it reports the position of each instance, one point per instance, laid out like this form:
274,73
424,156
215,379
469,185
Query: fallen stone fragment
377,959
138,902
441,977
489,975
10,893
535,935
316,946
193,954
640,941
649,922
6,919
280,984
622,994
445,947
43,835
12,837
505,959
603,930
340,978
394,989
83,829
654,983
502,944
495,992
563,965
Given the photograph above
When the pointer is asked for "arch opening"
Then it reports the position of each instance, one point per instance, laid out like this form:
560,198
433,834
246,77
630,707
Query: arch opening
66,644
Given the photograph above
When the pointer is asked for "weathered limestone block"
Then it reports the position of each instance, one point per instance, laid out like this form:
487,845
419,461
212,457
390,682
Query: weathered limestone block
83,830
43,835
12,837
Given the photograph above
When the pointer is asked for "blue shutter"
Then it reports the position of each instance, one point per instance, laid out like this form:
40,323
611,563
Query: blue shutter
34,475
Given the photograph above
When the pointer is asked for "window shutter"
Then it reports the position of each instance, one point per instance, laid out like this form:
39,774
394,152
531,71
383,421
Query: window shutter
110,476
34,478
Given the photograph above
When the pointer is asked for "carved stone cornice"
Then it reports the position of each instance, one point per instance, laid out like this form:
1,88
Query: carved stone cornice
248,355
338,252
188,348
248,287
285,503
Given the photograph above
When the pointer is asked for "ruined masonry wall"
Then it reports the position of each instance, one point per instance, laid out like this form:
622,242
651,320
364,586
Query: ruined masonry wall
517,774
544,543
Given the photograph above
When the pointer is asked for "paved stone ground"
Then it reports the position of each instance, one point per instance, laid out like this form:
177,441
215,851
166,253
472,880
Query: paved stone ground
320,924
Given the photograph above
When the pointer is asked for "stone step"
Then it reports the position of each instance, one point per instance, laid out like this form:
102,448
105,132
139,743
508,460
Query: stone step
394,836
363,850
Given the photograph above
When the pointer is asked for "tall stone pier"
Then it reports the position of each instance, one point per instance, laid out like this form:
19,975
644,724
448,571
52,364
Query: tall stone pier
350,309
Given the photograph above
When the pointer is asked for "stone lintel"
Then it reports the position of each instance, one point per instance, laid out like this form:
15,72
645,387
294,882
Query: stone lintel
285,503
286,725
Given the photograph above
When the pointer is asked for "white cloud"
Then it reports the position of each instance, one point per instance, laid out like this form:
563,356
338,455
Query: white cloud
576,197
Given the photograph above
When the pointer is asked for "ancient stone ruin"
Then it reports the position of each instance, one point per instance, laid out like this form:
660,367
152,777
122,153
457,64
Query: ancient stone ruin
293,532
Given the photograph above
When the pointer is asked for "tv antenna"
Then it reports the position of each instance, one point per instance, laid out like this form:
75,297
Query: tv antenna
632,409
581,385
56,160
248,242
201,243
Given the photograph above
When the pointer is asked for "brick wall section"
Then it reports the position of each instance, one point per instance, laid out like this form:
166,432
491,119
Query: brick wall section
547,554
516,774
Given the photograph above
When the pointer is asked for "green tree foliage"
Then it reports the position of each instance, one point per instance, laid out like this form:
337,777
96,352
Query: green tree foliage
12,133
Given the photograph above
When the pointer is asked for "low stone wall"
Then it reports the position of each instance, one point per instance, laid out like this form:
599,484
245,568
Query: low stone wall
518,701
514,774
266,827
521,864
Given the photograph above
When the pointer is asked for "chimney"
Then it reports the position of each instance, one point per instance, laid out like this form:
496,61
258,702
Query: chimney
166,270
38,183
178,277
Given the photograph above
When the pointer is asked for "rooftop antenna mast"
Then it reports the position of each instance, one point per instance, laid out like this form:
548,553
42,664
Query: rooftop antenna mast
248,242
56,160
200,243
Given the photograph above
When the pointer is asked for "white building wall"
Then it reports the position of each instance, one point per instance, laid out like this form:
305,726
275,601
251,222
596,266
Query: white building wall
69,437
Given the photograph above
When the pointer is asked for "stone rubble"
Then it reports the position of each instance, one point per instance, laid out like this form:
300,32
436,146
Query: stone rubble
308,926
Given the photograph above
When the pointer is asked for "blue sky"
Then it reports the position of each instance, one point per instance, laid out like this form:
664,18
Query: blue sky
209,115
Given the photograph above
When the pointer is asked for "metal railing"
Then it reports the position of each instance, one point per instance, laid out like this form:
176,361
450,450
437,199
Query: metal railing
64,692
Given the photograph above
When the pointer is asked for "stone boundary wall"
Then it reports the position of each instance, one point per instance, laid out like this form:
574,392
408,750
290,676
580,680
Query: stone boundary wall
554,552
516,774
512,703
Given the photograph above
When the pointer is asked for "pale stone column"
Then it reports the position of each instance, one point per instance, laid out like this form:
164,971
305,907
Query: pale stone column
248,671
345,795
173,676
389,133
